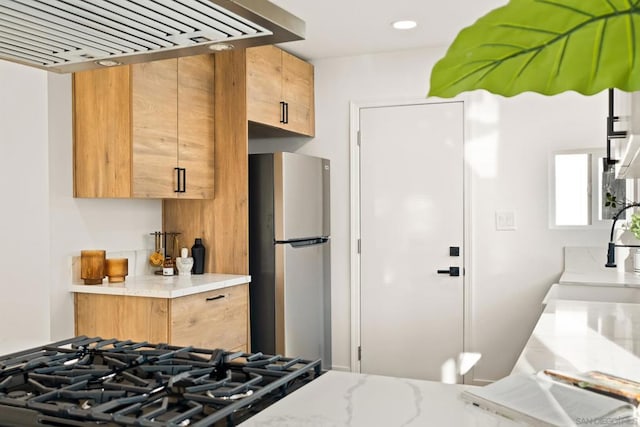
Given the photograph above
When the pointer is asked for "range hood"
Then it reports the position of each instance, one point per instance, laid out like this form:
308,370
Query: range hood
74,35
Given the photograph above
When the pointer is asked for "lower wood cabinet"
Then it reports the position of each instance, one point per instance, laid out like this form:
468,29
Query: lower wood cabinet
213,319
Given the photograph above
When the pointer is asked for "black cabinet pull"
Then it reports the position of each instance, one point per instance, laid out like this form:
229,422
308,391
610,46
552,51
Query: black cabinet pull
452,271
177,190
215,298
184,180
286,113
282,116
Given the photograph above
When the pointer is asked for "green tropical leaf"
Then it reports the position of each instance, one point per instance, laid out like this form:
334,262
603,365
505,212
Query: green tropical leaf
545,46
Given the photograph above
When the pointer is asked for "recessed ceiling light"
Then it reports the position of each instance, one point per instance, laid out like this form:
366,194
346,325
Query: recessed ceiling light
220,47
404,25
108,62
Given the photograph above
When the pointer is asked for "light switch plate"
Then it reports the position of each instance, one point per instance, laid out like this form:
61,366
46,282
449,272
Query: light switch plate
505,221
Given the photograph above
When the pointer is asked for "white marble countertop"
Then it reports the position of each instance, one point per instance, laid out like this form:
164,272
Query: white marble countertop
591,320
586,266
582,336
572,334
164,286
359,400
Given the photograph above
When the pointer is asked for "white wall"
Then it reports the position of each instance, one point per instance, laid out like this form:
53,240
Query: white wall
513,269
508,145
42,224
24,215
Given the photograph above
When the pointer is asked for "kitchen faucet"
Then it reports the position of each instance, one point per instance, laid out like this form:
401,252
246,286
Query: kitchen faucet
611,250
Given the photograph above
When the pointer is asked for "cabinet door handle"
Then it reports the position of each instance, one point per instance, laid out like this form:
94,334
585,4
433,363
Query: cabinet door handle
286,113
177,190
282,116
184,180
215,298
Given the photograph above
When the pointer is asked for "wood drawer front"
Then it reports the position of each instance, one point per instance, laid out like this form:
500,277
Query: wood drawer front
122,317
215,319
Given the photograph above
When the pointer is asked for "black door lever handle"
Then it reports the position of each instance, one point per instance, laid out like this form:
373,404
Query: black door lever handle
452,271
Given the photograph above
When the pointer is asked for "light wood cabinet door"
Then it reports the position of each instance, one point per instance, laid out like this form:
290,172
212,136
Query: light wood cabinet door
298,93
155,128
215,319
196,125
102,133
135,126
280,90
264,85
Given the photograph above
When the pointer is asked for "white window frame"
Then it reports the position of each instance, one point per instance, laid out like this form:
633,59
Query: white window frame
596,154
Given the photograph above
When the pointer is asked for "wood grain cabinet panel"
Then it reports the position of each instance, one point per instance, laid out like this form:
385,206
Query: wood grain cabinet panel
196,124
145,130
264,85
102,133
298,92
211,319
155,129
123,317
280,91
214,319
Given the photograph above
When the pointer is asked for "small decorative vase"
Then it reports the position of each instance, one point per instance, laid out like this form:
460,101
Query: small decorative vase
184,265
117,269
92,266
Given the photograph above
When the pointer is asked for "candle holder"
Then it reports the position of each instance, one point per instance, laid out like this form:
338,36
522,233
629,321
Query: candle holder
117,269
92,268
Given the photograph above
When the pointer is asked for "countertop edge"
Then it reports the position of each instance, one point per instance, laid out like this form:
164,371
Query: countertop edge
600,278
175,286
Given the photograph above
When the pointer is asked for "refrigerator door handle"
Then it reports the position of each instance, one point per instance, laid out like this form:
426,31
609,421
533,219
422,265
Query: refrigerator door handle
298,243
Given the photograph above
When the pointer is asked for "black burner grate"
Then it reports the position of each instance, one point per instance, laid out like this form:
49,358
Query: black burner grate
90,380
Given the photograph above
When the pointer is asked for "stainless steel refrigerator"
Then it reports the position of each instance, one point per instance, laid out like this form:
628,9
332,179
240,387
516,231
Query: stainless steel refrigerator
289,255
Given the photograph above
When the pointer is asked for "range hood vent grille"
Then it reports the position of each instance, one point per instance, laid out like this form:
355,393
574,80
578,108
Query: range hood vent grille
70,35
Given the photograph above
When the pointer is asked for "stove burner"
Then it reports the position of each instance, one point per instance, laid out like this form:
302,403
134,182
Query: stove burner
110,382
18,394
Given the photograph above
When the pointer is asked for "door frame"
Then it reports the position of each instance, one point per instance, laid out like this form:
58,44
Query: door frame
354,150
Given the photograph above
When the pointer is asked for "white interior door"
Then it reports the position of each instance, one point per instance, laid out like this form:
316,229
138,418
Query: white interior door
411,213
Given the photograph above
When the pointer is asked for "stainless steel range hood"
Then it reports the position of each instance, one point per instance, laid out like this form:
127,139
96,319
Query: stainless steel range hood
73,35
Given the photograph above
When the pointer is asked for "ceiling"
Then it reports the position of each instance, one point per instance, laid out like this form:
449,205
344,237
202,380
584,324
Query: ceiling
354,27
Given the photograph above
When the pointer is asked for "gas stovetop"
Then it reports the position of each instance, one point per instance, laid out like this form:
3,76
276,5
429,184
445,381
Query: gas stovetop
83,381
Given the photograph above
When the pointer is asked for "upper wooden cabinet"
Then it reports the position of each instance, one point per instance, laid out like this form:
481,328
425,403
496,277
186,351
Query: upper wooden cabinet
280,90
145,130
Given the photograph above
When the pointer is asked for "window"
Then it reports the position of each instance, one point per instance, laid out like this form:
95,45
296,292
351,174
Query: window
572,195
582,193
